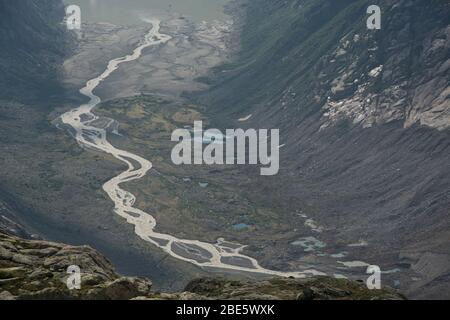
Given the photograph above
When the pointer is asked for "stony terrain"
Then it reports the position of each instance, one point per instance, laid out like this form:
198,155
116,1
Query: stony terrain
38,270
35,270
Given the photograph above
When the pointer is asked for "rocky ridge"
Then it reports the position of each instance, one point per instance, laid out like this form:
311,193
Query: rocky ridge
36,270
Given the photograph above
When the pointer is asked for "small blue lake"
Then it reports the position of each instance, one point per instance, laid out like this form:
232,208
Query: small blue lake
241,227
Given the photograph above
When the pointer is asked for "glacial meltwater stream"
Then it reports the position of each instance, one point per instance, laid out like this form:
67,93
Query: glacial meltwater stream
222,255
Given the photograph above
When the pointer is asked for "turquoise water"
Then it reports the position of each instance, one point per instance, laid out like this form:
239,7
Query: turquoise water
128,12
241,226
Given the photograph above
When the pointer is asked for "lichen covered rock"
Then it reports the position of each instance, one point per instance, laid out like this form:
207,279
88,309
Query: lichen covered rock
36,270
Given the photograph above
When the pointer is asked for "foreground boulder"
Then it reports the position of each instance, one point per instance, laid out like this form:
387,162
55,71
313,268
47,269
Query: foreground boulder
38,270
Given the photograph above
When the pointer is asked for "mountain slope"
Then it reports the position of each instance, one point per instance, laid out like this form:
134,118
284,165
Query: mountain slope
33,41
364,119
300,56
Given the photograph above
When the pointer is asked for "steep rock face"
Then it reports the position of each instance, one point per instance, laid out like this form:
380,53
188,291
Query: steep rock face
399,73
364,124
300,56
32,42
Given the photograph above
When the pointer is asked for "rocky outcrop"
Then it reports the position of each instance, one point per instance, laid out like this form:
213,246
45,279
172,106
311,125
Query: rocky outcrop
324,59
399,73
320,288
36,270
